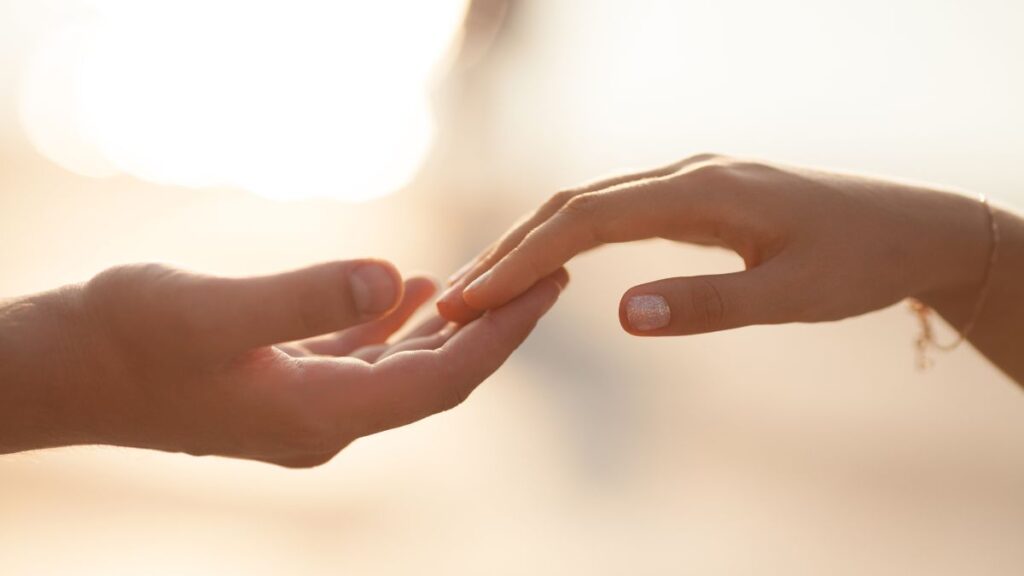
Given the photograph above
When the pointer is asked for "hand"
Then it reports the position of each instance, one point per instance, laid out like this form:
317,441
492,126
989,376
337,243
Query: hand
817,246
154,357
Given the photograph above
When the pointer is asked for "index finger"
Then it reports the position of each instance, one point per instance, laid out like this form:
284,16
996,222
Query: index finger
635,211
451,305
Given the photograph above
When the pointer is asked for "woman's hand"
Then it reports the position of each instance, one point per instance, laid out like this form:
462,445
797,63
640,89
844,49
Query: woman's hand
154,357
818,246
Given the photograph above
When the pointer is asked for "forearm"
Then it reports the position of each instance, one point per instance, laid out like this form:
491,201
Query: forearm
43,371
998,331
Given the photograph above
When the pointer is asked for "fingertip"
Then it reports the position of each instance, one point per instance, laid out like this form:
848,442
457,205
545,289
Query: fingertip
478,293
453,308
376,287
559,281
422,284
562,278
643,312
473,300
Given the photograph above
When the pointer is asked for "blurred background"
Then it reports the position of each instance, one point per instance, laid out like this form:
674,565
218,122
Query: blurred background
238,137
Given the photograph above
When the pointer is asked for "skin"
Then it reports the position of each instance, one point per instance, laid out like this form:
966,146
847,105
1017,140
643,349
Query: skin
287,369
818,247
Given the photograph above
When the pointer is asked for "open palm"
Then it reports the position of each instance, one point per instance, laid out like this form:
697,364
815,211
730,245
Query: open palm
284,368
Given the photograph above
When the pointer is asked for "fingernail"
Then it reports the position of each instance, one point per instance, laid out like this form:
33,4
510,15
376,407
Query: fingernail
480,281
373,288
448,294
648,312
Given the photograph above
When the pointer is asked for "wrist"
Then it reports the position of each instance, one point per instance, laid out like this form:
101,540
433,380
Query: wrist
955,244
997,282
47,372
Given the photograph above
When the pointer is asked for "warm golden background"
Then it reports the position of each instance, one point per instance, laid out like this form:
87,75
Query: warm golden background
798,450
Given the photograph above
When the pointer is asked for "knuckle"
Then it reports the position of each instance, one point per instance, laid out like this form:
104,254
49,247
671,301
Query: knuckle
103,291
584,218
137,298
122,282
707,305
562,197
581,205
705,157
710,172
750,169
719,184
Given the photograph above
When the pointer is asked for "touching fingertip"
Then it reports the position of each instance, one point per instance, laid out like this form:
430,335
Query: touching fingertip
561,278
455,310
428,283
449,295
444,308
553,295
477,285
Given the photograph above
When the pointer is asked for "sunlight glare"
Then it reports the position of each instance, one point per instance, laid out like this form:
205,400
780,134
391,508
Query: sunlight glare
288,100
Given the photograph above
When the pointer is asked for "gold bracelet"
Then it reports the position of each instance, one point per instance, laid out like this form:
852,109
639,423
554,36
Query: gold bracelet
926,339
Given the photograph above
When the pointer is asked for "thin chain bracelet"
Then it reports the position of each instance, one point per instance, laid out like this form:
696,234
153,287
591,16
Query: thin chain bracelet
926,339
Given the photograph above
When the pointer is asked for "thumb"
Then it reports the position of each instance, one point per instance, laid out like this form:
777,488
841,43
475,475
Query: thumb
244,313
699,304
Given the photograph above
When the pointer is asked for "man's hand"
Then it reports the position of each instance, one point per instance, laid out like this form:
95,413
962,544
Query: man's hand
288,368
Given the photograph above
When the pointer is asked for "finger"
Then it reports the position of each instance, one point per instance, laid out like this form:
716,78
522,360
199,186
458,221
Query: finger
648,209
468,266
231,315
430,334
378,352
418,291
679,306
453,307
511,239
369,353
428,326
294,349
412,385
431,342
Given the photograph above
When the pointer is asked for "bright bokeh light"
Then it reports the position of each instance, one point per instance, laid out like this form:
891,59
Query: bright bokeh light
289,100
